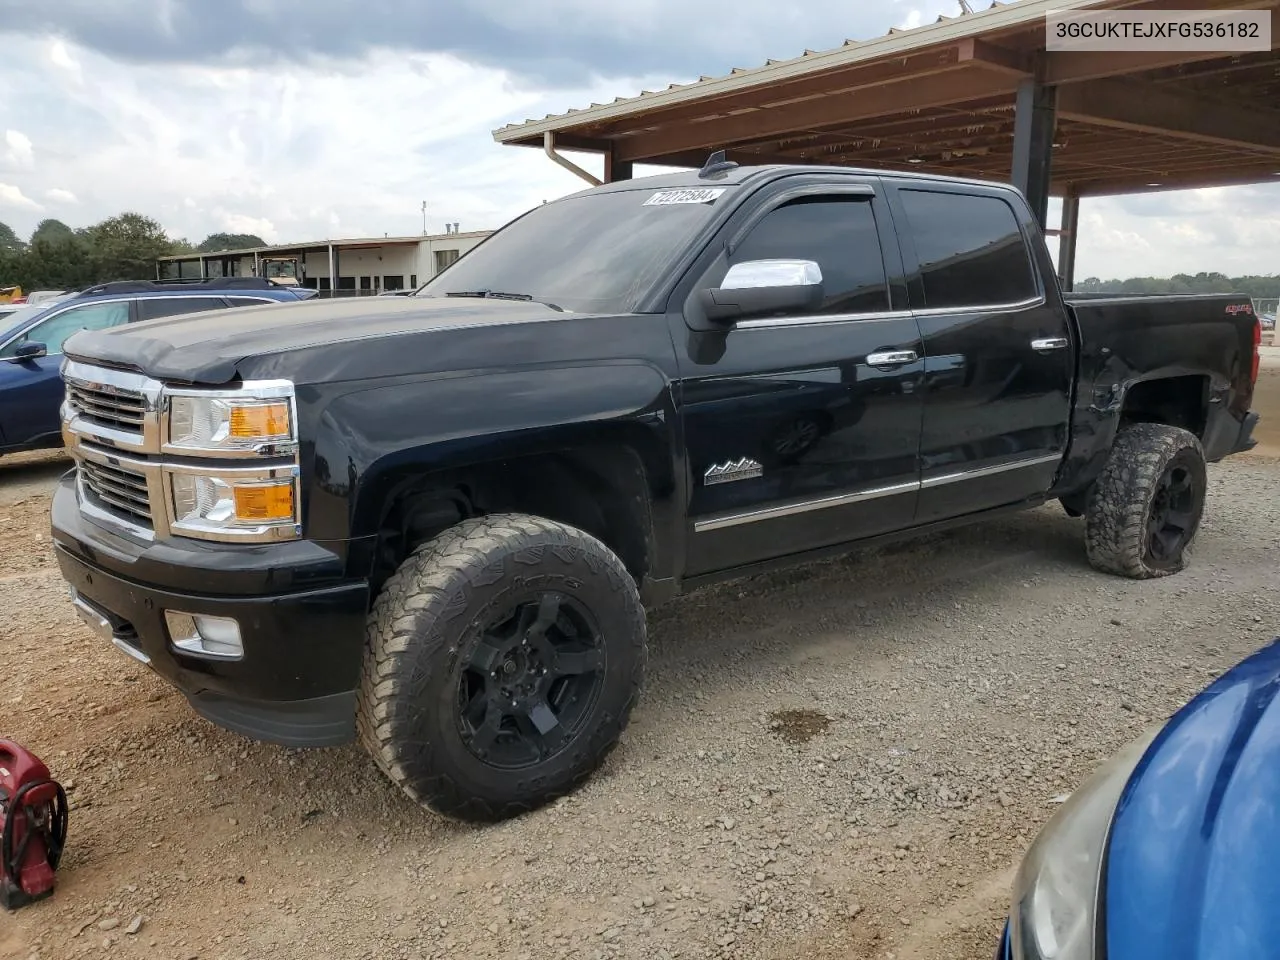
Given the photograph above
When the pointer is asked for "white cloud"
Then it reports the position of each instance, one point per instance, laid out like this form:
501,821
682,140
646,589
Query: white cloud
11,196
296,153
18,152
240,223
61,58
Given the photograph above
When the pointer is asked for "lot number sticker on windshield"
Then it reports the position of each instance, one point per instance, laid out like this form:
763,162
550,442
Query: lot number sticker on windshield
699,195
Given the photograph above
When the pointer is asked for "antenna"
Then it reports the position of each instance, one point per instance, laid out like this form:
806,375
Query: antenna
964,7
716,165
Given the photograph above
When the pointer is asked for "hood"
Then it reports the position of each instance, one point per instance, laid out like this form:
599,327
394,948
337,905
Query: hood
208,347
1193,864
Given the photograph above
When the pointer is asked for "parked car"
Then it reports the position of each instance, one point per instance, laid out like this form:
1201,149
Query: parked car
432,520
1170,849
31,341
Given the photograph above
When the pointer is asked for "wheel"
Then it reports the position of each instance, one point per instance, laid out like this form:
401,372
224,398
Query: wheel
501,664
1145,508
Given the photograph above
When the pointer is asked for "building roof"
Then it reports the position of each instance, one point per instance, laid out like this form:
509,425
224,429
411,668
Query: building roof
941,98
324,245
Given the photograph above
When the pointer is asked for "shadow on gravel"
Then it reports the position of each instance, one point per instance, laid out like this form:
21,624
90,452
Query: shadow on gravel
868,602
41,467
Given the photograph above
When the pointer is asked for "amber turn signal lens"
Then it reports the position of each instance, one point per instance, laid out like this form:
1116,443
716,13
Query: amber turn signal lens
260,421
266,503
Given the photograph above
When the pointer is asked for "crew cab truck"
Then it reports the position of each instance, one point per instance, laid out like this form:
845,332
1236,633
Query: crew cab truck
430,522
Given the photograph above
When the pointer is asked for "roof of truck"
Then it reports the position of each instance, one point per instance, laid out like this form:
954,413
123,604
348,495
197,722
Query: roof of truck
739,175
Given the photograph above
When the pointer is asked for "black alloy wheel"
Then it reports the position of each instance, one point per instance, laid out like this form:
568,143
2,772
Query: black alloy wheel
528,682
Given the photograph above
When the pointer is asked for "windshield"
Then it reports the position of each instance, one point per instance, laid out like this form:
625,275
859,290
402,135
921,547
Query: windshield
597,253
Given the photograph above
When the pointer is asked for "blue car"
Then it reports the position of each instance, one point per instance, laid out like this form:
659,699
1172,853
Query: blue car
31,340
1172,849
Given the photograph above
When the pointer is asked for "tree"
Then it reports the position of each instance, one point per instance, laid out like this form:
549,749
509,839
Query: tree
9,242
125,247
216,242
51,230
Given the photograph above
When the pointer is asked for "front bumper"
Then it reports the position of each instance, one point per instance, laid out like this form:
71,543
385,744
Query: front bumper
302,645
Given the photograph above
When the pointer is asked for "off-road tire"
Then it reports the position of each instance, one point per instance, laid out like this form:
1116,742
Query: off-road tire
439,597
1122,500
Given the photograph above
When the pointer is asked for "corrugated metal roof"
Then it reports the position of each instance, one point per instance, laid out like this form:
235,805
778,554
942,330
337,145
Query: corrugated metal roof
897,41
324,244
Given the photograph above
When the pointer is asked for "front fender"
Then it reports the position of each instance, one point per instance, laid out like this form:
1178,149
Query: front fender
372,440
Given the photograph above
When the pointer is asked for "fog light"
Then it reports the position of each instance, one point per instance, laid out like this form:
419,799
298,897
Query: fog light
217,638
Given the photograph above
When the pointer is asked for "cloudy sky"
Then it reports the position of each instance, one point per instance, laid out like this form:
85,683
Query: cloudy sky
305,119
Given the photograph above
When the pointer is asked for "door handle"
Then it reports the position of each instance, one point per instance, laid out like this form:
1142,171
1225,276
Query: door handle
892,358
1046,344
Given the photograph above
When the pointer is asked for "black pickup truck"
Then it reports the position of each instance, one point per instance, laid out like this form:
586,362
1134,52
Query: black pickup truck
430,522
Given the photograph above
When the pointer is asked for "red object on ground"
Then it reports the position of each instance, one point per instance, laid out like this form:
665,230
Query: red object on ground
33,827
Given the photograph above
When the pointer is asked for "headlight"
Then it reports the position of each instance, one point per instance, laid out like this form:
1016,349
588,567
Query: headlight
1055,897
244,505
229,422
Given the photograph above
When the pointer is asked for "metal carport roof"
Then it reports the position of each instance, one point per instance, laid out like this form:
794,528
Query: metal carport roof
943,97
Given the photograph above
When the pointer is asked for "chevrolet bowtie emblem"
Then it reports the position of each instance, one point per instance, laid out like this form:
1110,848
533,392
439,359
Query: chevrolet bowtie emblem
744,469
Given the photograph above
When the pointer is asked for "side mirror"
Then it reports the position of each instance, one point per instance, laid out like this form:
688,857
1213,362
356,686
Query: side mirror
763,287
31,351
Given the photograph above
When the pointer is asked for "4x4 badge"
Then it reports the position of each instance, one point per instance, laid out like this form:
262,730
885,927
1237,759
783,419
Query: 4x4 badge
744,469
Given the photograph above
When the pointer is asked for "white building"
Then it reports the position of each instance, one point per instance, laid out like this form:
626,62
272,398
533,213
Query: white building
362,266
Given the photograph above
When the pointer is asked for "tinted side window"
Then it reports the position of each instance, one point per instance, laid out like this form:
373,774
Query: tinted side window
250,301
53,331
970,249
173,306
839,235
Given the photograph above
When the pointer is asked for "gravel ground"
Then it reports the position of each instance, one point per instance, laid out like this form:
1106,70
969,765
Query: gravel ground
840,761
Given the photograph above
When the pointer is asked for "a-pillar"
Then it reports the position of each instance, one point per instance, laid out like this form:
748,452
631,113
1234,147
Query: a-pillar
1033,128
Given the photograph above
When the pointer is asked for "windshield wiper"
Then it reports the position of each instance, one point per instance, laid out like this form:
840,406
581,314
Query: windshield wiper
498,295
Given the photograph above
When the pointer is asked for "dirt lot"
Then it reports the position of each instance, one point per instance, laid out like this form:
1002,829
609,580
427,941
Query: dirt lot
843,761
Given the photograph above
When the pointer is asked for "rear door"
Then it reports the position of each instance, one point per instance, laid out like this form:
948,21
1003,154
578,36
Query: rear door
796,437
31,390
998,354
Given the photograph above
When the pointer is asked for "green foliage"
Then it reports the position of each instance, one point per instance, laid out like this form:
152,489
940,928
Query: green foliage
54,231
216,242
1267,287
9,242
123,247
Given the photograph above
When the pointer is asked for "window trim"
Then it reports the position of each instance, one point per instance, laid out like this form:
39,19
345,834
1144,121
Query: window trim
145,299
848,192
915,274
133,313
854,191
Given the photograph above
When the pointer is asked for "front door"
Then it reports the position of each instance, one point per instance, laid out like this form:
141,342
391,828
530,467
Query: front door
998,357
802,431
31,390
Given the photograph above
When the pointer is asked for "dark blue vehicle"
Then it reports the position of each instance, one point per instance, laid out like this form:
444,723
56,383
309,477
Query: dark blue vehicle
1172,848
31,340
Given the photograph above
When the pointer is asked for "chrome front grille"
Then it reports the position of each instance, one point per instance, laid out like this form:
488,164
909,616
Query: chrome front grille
117,489
112,407
115,424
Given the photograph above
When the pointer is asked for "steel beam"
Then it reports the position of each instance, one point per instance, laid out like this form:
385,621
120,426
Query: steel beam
1146,108
1067,239
1033,125
615,169
956,85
